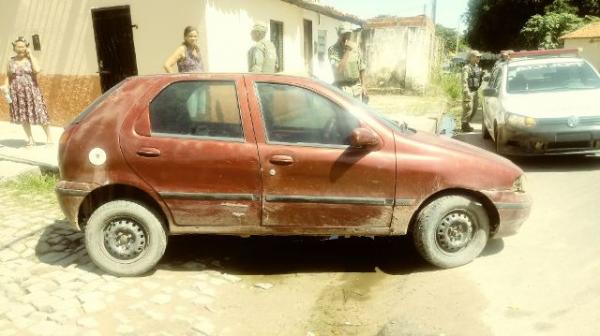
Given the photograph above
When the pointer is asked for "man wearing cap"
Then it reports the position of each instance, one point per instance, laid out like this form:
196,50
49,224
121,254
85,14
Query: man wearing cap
262,57
348,65
472,76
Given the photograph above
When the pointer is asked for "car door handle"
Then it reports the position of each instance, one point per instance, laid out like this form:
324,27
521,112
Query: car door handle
148,151
281,159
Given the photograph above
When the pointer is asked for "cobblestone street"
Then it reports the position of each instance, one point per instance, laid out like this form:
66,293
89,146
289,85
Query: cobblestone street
48,285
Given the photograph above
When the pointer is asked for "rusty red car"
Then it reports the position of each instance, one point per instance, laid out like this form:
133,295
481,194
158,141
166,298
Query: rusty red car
251,154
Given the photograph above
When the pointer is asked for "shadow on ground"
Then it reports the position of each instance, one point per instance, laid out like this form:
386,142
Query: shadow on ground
60,245
13,143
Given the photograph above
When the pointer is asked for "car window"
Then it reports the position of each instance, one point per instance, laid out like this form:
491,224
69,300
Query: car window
498,79
495,78
197,108
297,115
551,77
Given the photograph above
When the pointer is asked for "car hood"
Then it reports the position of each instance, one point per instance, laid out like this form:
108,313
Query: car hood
555,104
465,165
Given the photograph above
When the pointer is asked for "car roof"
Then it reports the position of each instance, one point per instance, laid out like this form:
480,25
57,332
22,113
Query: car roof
300,76
545,60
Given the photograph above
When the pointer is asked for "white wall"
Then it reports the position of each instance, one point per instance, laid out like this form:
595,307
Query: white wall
591,49
67,36
68,45
399,55
228,32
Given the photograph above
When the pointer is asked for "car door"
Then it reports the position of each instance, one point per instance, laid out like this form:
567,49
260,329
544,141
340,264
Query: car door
491,103
311,176
194,145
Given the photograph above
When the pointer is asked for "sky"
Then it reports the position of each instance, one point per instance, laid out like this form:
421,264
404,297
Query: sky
448,11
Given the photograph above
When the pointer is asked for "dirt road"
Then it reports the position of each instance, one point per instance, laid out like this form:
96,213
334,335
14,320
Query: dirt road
543,281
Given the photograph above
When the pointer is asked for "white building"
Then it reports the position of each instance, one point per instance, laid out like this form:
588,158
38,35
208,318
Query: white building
85,46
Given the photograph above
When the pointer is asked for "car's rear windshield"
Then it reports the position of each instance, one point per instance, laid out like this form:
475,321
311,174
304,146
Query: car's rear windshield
557,76
95,103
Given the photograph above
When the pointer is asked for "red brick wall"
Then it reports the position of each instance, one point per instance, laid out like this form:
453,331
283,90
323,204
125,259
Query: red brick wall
65,95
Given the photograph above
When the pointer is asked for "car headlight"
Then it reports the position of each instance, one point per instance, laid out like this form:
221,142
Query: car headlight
519,184
520,121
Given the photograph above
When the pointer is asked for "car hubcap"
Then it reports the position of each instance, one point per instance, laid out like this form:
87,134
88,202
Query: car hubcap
454,232
124,239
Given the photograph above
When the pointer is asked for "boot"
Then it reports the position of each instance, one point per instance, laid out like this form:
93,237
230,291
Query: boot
466,127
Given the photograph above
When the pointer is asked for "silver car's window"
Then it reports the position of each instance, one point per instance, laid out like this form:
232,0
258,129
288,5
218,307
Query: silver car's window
551,77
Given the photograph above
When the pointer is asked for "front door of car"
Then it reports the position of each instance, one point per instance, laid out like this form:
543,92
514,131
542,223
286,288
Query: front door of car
311,176
491,103
196,150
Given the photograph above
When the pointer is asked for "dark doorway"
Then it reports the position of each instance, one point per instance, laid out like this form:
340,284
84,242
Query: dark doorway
276,28
114,45
308,46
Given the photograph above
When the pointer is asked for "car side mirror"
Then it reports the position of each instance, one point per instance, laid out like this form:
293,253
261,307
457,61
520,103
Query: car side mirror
363,138
490,92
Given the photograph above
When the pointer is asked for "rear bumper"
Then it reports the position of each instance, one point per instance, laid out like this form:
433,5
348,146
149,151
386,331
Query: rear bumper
555,140
513,210
70,196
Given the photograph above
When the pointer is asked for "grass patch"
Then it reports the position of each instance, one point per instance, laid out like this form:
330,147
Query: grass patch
30,186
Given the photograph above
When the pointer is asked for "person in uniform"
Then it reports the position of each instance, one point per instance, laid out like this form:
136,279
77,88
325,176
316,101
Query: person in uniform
472,76
262,57
348,65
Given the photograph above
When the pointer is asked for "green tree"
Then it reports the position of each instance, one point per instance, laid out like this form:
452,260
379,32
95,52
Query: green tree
497,24
544,31
449,37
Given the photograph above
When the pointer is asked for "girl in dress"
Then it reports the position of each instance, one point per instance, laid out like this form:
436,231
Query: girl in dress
27,107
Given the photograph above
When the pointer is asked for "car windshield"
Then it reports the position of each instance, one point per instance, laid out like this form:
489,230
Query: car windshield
397,125
551,77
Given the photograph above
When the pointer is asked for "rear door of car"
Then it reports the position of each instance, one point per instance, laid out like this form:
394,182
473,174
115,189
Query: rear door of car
193,143
312,178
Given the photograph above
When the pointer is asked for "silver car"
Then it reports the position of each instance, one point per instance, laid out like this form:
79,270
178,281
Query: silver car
543,105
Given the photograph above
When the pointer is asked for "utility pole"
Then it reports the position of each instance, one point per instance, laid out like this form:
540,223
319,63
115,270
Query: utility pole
434,10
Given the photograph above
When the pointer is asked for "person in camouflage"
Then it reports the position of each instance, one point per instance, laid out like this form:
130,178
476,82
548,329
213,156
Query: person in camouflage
471,79
262,57
348,65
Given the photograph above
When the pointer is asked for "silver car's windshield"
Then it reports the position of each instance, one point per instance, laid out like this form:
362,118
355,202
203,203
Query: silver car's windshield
558,76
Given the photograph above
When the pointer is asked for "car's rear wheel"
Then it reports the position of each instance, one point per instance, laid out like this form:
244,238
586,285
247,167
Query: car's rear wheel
451,231
125,238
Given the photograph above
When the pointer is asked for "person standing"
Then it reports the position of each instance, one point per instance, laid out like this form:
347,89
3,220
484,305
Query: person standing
187,55
27,105
262,56
472,76
348,65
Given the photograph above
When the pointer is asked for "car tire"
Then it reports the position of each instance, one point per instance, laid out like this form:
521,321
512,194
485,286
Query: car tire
497,141
125,238
484,131
451,231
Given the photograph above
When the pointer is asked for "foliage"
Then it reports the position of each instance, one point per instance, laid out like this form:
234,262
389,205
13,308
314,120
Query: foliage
544,31
494,25
29,185
449,37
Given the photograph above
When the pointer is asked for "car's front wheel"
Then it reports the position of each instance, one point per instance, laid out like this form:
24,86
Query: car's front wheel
125,238
451,231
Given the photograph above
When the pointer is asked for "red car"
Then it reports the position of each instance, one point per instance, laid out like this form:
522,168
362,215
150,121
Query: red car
245,155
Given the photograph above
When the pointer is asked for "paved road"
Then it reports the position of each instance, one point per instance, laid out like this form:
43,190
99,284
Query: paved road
543,281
